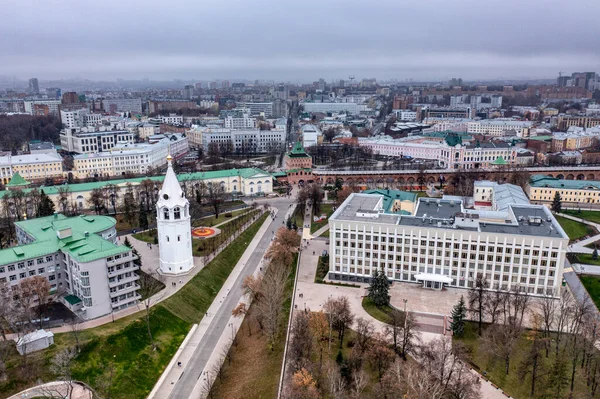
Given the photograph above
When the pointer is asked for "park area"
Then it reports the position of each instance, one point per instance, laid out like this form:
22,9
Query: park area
117,359
574,229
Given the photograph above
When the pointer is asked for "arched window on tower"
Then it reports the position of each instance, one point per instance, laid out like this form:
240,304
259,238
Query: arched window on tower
177,212
166,213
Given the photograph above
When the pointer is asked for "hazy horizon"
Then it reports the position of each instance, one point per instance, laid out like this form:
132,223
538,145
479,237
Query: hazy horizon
299,42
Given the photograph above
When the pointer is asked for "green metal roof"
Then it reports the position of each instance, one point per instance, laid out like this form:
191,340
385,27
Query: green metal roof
540,138
17,181
279,174
81,247
219,174
389,196
72,299
499,161
553,182
298,151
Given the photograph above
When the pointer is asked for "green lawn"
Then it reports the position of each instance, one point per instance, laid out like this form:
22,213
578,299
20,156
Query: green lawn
574,229
586,259
192,301
146,236
592,285
210,221
206,246
326,209
124,346
380,313
592,216
512,383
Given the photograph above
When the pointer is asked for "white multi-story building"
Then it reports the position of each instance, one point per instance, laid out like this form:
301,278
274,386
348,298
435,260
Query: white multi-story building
80,258
53,106
92,140
265,109
405,115
129,158
246,141
498,127
148,129
326,107
172,119
244,122
510,243
113,105
174,225
80,118
311,135
445,124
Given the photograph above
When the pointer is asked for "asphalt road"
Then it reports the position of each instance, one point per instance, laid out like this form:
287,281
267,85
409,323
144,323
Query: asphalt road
185,385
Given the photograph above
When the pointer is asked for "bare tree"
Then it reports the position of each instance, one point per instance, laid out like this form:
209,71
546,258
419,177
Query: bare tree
150,284
380,355
63,198
270,302
500,340
62,366
360,380
216,196
548,305
335,382
302,339
75,329
476,301
241,310
532,363
364,333
343,317
321,332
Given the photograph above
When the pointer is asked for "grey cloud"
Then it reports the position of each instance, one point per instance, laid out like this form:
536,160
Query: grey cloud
298,40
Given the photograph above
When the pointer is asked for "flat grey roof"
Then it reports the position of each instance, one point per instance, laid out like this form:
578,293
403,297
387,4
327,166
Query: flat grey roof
437,208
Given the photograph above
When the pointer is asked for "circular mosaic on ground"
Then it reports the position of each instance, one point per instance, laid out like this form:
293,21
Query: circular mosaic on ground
204,232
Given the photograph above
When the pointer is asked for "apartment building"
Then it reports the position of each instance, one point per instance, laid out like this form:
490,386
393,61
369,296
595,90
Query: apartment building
114,105
31,166
243,122
512,244
244,141
265,109
53,106
566,121
81,260
128,158
171,119
575,139
499,127
93,140
325,107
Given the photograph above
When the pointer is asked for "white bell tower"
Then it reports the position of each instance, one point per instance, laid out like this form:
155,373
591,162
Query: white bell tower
174,226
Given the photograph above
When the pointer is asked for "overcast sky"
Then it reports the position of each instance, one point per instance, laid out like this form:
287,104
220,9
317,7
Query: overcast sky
298,40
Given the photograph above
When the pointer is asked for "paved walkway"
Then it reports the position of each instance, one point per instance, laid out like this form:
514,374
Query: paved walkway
580,246
150,264
320,231
56,389
311,296
185,375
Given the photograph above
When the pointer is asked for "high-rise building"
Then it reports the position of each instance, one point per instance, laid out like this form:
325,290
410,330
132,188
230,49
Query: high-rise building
188,92
70,97
53,92
225,84
34,87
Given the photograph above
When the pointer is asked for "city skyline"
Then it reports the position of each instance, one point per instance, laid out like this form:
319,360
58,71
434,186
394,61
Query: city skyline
295,42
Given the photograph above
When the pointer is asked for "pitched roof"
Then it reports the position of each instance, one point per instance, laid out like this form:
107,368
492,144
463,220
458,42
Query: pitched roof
298,151
82,187
499,161
171,194
17,180
390,196
84,248
553,182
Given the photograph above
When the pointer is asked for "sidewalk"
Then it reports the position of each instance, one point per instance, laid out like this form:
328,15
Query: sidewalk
54,388
580,246
166,383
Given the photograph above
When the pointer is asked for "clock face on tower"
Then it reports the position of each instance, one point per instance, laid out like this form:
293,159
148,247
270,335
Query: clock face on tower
166,196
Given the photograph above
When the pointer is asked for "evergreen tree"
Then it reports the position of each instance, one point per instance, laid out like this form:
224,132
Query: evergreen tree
288,223
143,219
127,243
595,254
46,206
556,203
459,312
379,290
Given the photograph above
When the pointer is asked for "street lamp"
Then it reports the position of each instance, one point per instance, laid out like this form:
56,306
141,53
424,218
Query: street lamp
405,315
231,325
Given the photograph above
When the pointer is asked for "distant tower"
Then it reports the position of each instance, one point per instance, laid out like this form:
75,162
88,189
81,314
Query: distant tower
174,226
34,87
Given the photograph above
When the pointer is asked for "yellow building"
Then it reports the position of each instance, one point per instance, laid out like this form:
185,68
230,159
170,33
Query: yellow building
543,189
31,166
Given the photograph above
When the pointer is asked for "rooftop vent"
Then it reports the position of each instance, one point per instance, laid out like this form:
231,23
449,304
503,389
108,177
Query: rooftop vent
535,220
452,203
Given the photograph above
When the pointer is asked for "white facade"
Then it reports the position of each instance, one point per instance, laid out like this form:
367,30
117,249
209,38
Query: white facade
122,105
520,248
497,127
90,140
53,106
249,140
129,158
147,130
265,109
172,119
174,226
351,108
245,122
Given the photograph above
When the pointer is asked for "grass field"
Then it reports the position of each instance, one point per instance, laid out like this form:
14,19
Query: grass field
586,259
326,209
254,369
592,216
120,352
192,301
380,313
592,285
146,236
513,383
210,221
575,230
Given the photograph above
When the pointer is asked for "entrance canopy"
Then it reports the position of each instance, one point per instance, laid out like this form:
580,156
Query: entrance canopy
438,278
